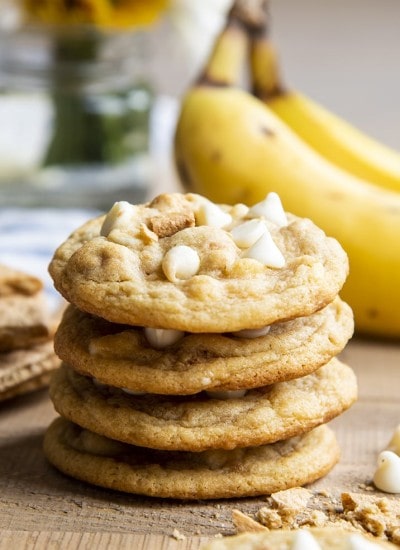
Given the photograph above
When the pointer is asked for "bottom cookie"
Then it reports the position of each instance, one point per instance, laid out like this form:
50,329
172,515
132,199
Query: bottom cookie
185,475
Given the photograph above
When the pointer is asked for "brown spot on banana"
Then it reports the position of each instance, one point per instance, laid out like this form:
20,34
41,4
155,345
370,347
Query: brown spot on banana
216,157
372,313
267,131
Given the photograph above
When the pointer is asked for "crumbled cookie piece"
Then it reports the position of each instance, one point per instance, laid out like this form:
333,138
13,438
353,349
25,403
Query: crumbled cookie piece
377,515
177,535
246,524
298,507
292,501
269,518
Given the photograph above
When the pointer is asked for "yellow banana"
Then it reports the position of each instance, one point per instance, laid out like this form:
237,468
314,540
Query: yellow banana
232,148
332,137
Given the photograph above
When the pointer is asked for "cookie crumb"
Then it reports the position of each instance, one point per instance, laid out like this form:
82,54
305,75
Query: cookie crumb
245,524
167,225
146,234
294,508
177,535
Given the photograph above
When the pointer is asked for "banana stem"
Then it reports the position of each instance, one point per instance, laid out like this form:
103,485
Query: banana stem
264,69
225,65
266,80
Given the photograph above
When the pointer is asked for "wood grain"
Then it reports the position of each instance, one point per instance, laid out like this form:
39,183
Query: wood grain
41,508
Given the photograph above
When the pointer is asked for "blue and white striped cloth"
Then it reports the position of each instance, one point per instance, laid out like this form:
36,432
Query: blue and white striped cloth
29,237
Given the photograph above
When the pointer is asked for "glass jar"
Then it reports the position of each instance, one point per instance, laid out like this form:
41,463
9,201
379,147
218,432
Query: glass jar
74,117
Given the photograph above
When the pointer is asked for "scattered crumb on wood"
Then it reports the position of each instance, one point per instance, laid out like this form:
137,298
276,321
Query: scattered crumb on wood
298,507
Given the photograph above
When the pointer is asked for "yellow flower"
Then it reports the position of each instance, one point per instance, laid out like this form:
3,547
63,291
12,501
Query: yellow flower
104,13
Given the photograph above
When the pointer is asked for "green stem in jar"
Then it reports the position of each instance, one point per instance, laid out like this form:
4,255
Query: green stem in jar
93,122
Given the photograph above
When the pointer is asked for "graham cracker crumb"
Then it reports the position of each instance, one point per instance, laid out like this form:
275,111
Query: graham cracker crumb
245,524
165,226
269,518
294,508
177,535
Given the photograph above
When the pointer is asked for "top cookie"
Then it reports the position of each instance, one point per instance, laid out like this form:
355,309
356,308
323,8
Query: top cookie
182,262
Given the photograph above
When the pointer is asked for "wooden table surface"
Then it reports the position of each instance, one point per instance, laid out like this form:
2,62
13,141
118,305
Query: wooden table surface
41,508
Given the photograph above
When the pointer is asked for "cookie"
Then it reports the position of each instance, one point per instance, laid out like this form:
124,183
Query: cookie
29,386
328,538
121,356
24,321
24,318
203,422
23,371
14,282
182,262
185,475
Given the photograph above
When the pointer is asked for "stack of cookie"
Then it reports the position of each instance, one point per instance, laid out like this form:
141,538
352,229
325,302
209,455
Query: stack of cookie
26,330
199,349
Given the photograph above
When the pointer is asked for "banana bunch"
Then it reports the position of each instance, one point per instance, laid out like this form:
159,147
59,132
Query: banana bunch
330,136
233,146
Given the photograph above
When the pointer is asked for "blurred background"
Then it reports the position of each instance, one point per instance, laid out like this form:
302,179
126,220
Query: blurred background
343,54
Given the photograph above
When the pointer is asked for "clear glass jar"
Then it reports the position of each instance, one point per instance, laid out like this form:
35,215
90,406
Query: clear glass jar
74,117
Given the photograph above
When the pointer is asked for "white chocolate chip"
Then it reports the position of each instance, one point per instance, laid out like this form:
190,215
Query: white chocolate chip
394,443
239,210
270,208
100,385
212,215
303,540
160,338
234,394
119,212
180,262
358,542
252,332
387,475
133,392
266,252
247,233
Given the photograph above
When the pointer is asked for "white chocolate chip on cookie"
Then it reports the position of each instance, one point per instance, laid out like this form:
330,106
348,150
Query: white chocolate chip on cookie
180,262
133,392
266,252
271,209
252,332
247,233
161,338
358,542
303,540
212,215
119,213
